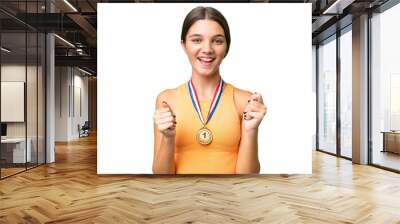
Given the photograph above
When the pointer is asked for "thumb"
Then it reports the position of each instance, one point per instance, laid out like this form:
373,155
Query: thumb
165,105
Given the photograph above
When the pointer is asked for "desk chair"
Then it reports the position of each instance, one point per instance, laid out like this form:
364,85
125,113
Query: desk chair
84,130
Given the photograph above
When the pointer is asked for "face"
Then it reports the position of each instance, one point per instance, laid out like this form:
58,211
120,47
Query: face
205,47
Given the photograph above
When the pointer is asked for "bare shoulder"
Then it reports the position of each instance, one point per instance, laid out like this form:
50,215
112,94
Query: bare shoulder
241,97
167,95
241,93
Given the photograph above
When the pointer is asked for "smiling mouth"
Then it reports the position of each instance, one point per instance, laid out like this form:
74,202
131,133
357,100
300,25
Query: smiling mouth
205,61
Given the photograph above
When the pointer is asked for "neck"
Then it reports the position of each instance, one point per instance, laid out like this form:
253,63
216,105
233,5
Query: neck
205,85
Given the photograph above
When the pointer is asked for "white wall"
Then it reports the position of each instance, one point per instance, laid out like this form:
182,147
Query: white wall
80,83
12,73
69,82
33,127
62,81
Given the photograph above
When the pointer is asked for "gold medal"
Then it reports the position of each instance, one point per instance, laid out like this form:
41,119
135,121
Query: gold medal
204,136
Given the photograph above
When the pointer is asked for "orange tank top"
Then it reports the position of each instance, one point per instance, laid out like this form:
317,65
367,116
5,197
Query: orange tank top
220,156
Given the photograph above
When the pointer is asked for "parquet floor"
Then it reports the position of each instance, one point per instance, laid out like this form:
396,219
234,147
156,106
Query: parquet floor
70,191
387,159
9,171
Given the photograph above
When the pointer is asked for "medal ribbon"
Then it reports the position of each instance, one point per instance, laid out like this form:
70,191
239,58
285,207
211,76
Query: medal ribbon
214,102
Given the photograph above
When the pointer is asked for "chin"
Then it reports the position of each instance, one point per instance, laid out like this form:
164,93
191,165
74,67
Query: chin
205,72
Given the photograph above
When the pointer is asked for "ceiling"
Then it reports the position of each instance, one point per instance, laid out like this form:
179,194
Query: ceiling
76,22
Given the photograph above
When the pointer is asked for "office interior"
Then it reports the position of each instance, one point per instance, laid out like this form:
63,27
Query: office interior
47,81
49,90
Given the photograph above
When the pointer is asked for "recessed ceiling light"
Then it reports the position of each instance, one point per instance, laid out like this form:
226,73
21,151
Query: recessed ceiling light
64,40
338,6
70,5
5,50
84,71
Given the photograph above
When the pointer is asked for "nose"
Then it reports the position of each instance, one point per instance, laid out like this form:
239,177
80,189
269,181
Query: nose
207,47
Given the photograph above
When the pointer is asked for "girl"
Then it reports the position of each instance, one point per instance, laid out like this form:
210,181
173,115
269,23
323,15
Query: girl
206,126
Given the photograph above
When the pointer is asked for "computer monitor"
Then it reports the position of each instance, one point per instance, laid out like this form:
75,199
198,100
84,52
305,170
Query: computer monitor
3,129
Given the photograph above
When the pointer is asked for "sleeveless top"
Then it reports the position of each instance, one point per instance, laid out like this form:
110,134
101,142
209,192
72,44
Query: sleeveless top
220,156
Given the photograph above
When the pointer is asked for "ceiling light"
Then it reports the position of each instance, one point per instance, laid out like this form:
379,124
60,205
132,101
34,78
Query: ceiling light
84,71
70,5
64,40
5,50
338,6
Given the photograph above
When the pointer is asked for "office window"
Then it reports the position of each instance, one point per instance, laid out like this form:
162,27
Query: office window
346,93
327,95
385,81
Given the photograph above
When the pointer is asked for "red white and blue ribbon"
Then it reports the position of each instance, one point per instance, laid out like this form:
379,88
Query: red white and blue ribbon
214,102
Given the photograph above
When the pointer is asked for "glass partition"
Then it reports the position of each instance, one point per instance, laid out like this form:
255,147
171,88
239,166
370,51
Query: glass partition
327,96
385,89
13,105
41,85
32,95
35,52
22,67
346,93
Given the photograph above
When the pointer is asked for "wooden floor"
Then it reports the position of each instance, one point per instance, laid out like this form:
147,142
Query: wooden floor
387,159
5,172
8,171
70,191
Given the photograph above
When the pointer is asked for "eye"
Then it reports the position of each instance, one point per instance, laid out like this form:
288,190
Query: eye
196,40
219,41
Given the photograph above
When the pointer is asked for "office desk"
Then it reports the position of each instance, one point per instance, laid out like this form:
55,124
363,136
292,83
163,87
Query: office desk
391,141
13,150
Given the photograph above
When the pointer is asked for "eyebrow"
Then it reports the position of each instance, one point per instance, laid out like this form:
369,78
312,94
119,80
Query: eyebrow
198,35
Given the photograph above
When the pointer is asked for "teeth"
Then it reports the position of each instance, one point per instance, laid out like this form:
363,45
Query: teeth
206,59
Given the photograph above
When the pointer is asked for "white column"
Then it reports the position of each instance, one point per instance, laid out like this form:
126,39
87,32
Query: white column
50,93
314,90
360,90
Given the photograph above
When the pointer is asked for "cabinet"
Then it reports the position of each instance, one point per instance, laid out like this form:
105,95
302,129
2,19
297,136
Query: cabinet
13,150
391,141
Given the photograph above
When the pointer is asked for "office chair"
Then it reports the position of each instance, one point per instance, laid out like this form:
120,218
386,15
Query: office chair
84,130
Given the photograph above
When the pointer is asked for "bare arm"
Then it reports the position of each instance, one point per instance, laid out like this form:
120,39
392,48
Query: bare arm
247,161
253,110
164,137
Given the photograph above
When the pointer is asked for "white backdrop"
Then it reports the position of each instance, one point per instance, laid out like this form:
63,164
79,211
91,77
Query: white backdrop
139,54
